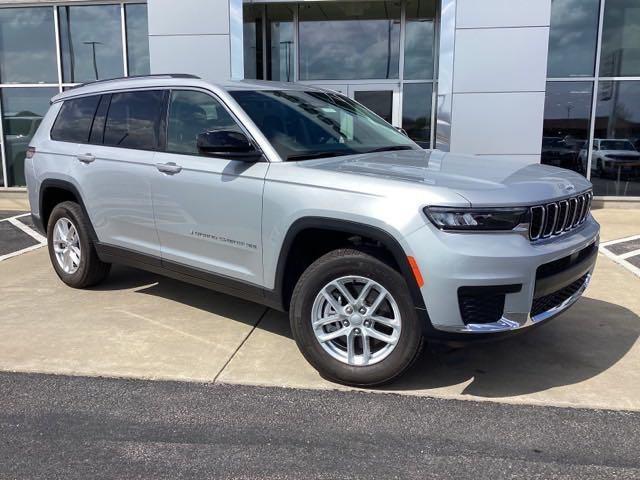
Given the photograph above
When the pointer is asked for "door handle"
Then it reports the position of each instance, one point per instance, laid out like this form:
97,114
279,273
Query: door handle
86,158
169,168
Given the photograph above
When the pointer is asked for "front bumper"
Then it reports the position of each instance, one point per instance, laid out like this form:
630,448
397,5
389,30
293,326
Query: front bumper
506,262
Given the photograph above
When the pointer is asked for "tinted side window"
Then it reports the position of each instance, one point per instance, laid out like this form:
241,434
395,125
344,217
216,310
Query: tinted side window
75,119
133,120
190,114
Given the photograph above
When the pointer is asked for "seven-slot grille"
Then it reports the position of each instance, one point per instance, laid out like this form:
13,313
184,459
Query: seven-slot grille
558,217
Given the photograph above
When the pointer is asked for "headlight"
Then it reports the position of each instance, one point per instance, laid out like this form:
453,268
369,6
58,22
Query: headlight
446,218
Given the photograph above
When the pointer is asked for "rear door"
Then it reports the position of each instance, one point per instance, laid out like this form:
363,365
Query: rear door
117,167
208,210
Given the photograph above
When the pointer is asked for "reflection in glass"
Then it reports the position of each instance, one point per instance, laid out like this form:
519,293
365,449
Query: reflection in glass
567,109
137,39
350,40
91,42
280,40
572,38
252,35
615,165
419,40
416,112
27,45
315,124
133,120
22,112
621,39
190,114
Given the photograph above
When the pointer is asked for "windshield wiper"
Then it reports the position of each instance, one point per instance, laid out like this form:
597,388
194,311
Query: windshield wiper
312,155
390,148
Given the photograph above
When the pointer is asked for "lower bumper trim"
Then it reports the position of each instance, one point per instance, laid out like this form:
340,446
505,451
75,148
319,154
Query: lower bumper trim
516,321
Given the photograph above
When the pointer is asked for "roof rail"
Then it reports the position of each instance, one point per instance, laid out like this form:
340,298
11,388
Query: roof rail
137,77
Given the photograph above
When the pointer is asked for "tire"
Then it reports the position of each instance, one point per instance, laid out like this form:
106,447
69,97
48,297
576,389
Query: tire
89,270
331,358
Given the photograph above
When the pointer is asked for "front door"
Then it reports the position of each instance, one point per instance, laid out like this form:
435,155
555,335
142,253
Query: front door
208,209
382,99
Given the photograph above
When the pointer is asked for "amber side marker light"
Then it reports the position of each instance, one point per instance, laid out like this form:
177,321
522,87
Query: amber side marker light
416,271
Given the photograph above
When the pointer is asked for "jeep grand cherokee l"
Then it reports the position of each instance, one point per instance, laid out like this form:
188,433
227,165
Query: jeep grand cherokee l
303,200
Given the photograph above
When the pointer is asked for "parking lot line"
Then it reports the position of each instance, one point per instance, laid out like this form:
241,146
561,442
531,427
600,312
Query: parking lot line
621,258
27,230
633,253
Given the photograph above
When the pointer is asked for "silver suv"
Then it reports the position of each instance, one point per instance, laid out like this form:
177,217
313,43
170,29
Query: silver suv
303,200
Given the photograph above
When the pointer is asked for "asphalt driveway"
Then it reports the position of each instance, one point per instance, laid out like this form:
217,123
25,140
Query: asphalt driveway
56,427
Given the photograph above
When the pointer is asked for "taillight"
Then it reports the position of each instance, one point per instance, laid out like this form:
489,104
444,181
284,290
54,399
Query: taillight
31,151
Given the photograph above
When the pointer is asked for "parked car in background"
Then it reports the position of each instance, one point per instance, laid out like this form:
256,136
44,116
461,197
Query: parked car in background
612,158
559,152
303,200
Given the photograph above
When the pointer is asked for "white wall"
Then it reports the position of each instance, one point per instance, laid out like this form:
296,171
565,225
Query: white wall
499,77
191,36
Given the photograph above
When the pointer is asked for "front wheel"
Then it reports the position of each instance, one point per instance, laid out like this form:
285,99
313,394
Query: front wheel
353,319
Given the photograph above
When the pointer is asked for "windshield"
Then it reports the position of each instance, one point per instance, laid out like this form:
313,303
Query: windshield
617,145
304,125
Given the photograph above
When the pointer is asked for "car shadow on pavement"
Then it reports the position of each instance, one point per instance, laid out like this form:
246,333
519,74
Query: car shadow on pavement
584,342
234,308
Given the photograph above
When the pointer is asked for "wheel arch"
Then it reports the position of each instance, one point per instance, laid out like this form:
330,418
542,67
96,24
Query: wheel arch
343,227
53,192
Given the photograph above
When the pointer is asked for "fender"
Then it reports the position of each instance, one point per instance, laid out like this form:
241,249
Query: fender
353,228
71,188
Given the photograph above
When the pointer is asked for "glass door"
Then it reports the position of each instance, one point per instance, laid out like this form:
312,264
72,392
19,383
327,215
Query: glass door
382,99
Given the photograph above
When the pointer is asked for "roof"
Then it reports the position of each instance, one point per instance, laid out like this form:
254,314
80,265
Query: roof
174,80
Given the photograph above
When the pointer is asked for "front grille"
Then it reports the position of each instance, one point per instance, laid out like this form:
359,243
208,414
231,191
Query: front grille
546,303
556,218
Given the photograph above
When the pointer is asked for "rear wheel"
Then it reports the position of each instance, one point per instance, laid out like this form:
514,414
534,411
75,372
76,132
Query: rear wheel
353,319
71,249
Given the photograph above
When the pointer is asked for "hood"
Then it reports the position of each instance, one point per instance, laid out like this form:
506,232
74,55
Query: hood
482,180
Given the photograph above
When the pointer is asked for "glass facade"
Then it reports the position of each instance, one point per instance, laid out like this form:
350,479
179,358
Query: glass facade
380,53
419,40
416,112
351,40
90,41
592,107
137,31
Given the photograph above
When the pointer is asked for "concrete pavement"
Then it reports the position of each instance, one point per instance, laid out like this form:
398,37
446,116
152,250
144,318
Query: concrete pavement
138,325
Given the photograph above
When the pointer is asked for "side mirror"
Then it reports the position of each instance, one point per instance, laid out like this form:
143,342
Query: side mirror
229,144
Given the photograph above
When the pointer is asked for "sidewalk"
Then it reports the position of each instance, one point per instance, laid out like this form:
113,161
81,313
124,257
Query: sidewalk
13,201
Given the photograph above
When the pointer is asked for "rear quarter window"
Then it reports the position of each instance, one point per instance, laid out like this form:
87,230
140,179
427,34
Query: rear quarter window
74,120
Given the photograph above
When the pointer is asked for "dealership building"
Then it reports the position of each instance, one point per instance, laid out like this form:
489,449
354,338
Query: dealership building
551,81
